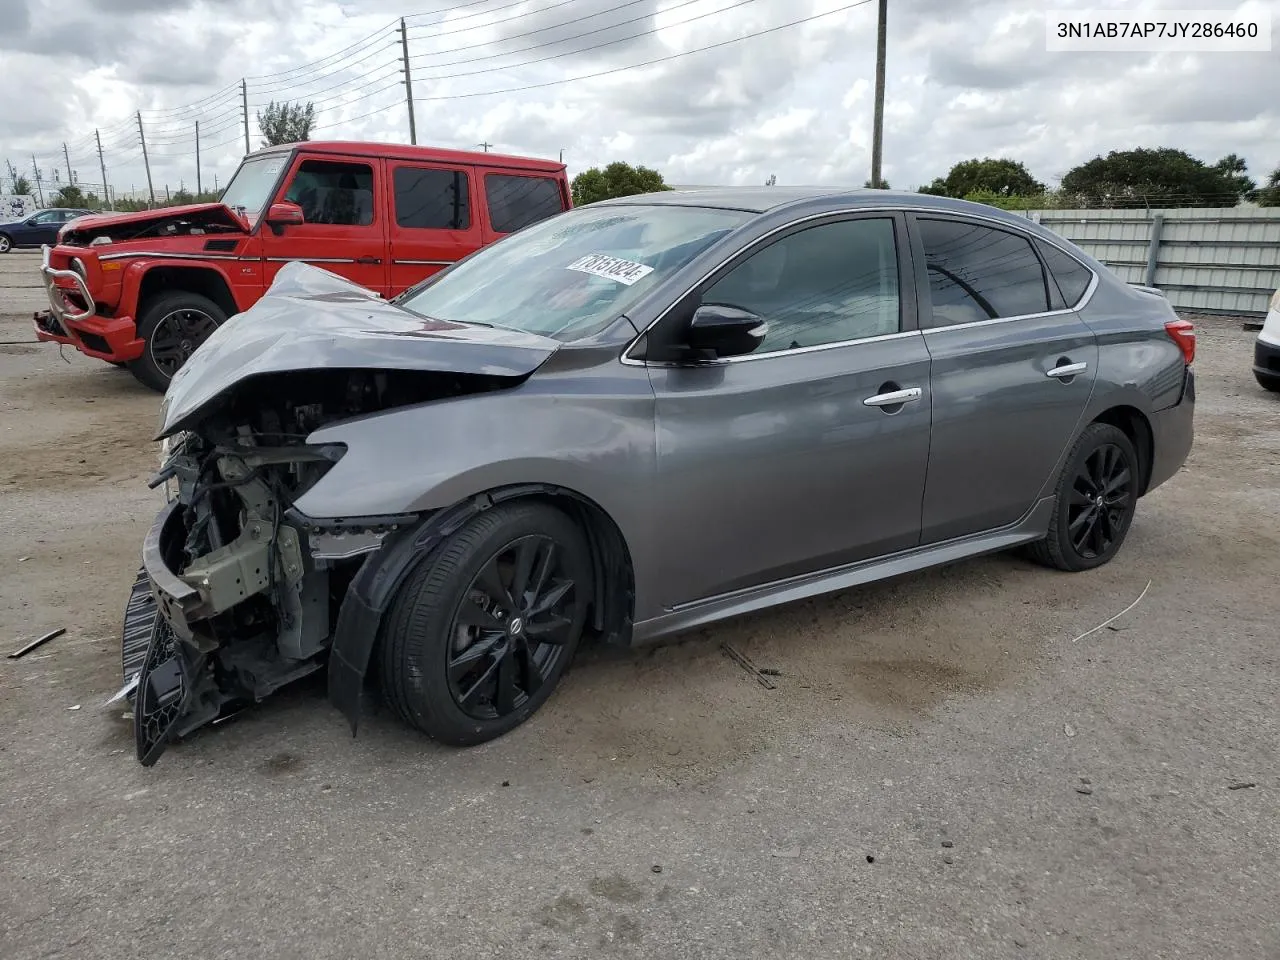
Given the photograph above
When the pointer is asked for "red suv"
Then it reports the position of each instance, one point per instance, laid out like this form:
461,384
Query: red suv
145,289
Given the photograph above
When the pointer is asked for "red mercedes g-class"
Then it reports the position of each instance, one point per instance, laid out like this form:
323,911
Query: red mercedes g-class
145,289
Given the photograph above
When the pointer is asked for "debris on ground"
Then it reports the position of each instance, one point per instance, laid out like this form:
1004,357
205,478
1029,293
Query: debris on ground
1109,621
948,844
748,666
1241,786
1069,730
38,641
1084,788
789,854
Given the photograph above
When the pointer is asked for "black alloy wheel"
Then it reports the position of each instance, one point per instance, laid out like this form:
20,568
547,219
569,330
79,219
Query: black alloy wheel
176,337
1097,495
511,628
483,629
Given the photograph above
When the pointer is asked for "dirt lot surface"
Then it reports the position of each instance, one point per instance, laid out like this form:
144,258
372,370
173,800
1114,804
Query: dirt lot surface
941,771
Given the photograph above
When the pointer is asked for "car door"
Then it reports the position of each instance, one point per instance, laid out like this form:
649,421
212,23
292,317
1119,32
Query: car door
811,451
433,223
39,228
345,231
1012,371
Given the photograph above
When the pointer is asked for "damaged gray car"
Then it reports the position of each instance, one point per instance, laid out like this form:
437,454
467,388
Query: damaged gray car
632,419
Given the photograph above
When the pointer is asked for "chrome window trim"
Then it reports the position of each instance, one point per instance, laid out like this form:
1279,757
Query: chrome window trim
630,361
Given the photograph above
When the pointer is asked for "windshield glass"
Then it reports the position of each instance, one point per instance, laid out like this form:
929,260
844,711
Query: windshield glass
569,274
250,188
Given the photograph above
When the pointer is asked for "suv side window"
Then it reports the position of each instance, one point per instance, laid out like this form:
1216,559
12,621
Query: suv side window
431,198
980,273
516,202
823,284
1072,276
334,192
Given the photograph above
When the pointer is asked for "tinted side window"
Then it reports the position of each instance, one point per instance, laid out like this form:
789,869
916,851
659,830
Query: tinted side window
825,284
333,192
1073,277
49,216
978,273
516,202
432,199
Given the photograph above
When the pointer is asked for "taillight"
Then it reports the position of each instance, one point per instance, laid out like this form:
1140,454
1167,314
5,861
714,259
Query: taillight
1183,333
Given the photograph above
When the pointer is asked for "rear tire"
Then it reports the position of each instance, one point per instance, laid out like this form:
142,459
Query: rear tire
172,327
1097,495
481,632
1267,382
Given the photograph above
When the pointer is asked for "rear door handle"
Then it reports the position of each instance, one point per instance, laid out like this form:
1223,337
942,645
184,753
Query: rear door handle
1068,370
894,397
369,261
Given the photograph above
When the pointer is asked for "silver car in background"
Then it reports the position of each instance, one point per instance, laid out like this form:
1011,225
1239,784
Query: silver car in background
629,420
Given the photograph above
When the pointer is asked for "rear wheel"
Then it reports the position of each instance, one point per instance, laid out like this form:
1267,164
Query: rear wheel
172,327
1267,382
1097,495
483,630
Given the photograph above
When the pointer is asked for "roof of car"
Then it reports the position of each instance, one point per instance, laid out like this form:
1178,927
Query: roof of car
762,199
404,151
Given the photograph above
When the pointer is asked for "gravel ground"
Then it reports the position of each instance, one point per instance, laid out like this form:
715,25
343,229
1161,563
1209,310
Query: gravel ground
941,772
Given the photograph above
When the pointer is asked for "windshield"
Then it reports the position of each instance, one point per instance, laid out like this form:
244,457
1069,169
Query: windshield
250,188
572,273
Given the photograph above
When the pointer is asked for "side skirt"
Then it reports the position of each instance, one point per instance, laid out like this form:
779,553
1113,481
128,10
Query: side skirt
702,612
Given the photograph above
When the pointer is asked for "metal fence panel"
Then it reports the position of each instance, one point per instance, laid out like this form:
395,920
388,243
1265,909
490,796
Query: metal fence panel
1210,260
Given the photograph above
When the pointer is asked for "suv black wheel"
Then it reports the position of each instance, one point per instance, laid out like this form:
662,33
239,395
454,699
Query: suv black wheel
1096,498
482,631
172,326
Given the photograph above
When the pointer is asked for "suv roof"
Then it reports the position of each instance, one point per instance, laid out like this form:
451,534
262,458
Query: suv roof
404,151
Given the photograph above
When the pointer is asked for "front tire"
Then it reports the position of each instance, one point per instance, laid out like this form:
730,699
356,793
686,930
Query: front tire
1097,495
5,243
482,631
172,327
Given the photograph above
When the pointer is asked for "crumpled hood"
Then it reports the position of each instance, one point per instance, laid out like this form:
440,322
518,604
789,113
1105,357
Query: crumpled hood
312,318
123,225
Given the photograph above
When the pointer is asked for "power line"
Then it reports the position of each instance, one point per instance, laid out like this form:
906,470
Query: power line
648,63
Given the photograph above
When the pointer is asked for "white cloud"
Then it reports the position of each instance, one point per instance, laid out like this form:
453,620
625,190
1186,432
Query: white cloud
964,79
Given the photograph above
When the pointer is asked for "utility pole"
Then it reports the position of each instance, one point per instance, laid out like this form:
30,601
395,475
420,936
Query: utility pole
35,168
146,162
485,145
198,191
106,191
408,82
244,99
71,177
877,135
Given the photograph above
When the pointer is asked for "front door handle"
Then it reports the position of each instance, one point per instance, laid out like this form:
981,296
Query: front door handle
1068,370
894,397
369,261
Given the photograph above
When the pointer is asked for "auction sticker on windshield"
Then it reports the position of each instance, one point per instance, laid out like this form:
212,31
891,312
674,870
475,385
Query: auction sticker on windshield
612,268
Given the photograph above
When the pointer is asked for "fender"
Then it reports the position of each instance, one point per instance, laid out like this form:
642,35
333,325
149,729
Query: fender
136,271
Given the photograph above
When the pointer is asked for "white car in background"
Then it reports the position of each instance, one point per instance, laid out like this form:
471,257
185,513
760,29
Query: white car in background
1266,351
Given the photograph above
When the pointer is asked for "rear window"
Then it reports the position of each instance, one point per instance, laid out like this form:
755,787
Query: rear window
516,202
1073,276
429,198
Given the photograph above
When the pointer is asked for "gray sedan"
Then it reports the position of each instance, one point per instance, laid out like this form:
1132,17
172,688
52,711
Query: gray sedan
632,419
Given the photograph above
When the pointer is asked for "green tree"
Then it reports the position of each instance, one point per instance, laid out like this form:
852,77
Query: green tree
884,184
1160,176
1269,196
618,179
995,175
286,122
68,196
1234,171
21,187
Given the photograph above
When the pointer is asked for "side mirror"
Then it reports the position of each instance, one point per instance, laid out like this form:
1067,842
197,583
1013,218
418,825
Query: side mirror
720,330
284,214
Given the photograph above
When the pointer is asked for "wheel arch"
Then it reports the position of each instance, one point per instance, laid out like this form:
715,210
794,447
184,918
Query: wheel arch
207,281
381,574
1134,424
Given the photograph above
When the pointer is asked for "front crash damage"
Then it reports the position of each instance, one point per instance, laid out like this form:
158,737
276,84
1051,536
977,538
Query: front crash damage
239,593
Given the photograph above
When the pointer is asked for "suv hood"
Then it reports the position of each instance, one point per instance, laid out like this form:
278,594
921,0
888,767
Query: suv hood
128,226
310,318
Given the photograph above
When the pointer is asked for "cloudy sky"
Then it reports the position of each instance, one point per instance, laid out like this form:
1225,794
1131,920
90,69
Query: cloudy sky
707,91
